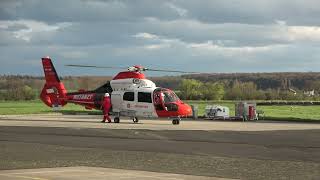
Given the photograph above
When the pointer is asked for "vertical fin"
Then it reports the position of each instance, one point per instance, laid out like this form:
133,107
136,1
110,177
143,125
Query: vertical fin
53,93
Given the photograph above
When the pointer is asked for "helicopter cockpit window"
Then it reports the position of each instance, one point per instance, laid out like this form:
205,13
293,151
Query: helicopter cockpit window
169,97
144,97
128,96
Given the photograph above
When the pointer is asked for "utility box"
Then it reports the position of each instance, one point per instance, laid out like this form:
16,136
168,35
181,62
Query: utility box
194,111
216,111
246,110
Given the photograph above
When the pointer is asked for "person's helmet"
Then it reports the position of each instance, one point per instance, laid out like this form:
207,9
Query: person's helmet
106,95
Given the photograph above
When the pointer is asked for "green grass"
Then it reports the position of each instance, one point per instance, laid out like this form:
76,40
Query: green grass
37,107
293,113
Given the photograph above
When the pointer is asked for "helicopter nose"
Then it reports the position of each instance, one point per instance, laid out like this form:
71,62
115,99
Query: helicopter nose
189,110
185,110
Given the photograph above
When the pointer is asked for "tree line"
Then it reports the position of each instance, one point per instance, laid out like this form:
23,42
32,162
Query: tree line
245,86
192,89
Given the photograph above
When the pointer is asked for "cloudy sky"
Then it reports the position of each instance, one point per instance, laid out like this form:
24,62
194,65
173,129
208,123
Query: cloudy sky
192,35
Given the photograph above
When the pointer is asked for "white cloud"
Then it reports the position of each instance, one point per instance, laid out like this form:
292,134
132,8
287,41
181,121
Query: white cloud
180,11
207,45
156,46
296,34
236,34
145,35
30,28
304,33
157,42
104,4
281,23
210,46
203,47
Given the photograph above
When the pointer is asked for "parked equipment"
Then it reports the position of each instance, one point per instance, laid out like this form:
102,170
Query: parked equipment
246,110
216,112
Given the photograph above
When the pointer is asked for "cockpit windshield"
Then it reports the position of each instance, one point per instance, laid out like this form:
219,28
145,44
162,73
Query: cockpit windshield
169,97
164,99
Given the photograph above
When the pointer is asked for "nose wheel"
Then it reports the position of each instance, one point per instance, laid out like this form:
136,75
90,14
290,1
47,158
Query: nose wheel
116,120
176,121
135,120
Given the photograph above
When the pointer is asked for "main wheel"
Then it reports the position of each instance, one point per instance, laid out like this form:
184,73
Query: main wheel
135,120
116,120
175,122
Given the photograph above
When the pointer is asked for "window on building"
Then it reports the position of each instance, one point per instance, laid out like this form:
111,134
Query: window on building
128,96
144,97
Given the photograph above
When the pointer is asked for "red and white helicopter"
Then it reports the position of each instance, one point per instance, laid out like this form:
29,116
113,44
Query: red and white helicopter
132,95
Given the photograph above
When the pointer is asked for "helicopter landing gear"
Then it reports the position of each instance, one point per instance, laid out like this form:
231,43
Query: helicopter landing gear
176,121
116,120
135,120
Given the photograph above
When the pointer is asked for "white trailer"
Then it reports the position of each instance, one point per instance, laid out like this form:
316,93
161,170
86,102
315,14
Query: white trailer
216,112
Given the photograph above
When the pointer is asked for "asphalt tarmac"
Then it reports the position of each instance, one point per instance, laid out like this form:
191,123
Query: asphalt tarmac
261,150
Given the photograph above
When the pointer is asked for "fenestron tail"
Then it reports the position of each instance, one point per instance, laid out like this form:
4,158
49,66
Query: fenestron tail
53,93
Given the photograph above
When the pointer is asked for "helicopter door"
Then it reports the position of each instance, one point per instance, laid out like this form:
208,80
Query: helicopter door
128,103
144,106
116,101
158,101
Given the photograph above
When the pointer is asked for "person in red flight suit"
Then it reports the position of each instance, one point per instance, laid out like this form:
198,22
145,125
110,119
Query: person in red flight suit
106,108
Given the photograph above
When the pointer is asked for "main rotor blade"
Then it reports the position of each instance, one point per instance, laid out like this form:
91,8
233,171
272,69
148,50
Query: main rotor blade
100,67
176,71
142,69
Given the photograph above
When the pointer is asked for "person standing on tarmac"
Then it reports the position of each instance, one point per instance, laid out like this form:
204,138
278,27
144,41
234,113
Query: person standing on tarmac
106,108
